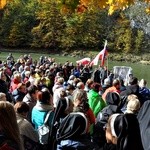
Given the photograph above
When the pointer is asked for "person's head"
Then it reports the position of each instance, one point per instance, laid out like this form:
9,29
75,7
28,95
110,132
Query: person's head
142,83
2,75
133,106
89,82
2,96
70,89
22,87
17,77
116,83
60,80
133,81
8,122
21,108
80,85
113,98
43,97
107,82
80,100
123,130
27,74
96,87
32,91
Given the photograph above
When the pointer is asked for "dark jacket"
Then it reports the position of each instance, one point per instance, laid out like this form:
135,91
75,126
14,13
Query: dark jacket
4,89
18,95
144,122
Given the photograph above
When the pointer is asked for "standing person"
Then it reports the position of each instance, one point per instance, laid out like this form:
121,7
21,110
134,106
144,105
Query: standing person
27,132
123,133
95,101
3,86
30,99
40,111
113,106
144,121
114,88
19,93
73,133
143,90
103,74
9,131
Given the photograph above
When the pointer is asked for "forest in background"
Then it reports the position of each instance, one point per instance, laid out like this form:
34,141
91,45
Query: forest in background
34,24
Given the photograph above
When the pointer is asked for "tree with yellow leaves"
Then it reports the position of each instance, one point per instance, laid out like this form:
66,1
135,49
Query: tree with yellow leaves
82,5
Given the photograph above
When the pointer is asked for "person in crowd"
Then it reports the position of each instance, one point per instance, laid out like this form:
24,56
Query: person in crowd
114,88
31,99
19,93
80,85
123,133
122,85
69,91
3,86
2,96
9,132
59,93
88,84
103,74
58,84
32,77
143,90
133,104
133,88
40,111
28,133
27,76
71,79
42,107
72,134
106,85
95,101
25,69
15,81
113,102
144,122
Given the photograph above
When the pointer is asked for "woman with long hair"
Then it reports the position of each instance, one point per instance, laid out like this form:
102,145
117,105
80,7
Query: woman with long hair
9,131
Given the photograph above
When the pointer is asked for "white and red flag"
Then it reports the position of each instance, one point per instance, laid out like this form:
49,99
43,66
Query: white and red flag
100,56
84,61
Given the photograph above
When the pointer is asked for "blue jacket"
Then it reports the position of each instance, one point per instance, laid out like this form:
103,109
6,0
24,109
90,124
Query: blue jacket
39,113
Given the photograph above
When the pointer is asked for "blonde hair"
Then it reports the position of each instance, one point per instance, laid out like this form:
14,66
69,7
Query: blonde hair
8,122
133,106
80,95
131,97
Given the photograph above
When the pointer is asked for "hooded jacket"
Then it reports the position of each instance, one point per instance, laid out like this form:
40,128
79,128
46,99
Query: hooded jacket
95,101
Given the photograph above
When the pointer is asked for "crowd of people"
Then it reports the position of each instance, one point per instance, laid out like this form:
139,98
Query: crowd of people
86,108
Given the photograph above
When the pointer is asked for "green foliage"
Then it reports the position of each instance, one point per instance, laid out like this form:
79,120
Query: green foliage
44,24
17,22
49,31
139,41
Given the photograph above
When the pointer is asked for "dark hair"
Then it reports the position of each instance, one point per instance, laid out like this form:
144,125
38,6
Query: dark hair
116,82
21,107
32,89
43,96
133,81
95,86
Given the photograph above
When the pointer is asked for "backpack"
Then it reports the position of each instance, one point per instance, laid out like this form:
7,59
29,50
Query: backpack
44,130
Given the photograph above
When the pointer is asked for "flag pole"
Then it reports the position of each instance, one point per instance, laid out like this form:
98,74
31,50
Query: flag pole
107,66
